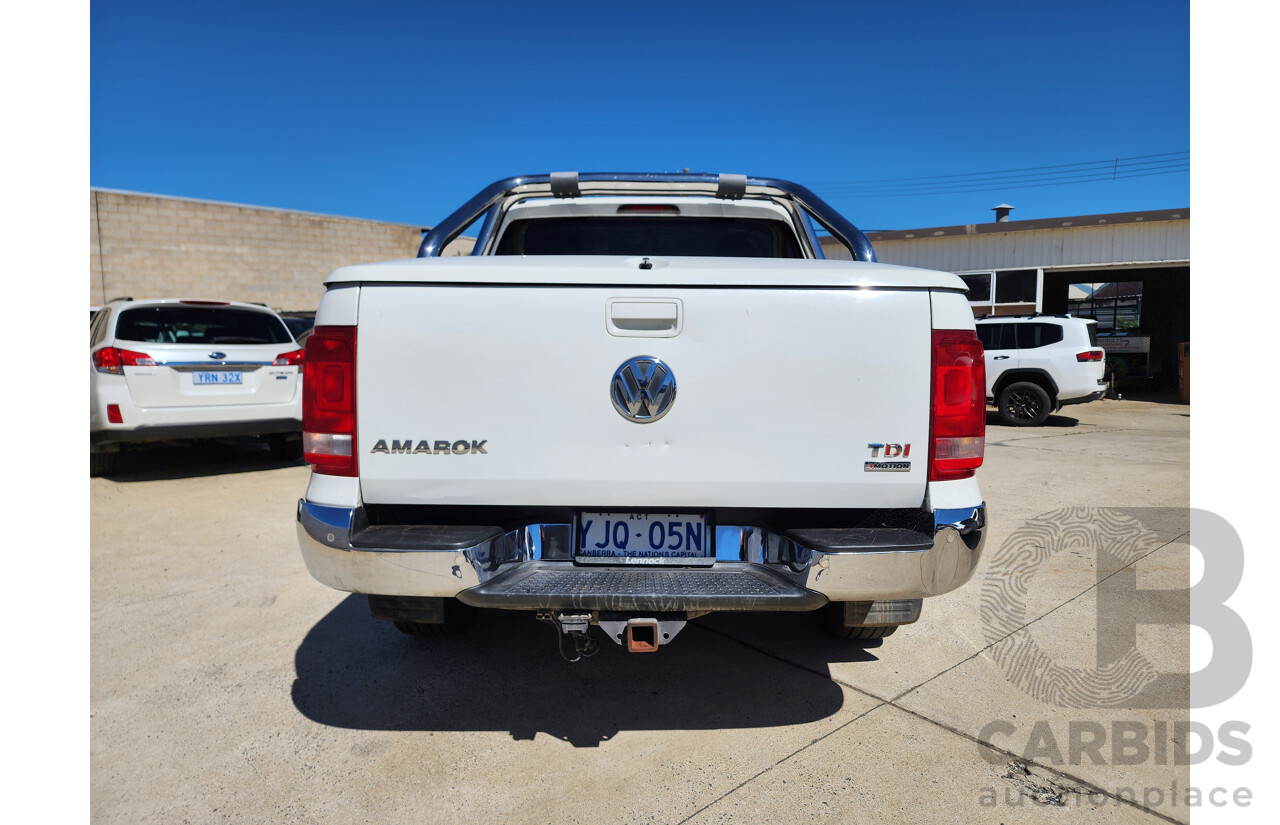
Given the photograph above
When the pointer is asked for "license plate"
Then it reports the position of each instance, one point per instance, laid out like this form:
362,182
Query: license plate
218,377
643,536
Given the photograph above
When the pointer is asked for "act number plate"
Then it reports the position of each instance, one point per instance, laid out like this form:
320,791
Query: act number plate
654,537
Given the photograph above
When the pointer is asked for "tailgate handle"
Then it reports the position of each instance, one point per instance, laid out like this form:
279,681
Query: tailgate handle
644,318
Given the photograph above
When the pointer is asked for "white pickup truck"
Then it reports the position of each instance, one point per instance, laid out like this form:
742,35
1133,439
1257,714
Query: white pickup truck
643,398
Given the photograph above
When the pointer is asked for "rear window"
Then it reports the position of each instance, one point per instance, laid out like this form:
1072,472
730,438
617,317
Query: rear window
1031,336
997,336
200,325
1093,334
688,236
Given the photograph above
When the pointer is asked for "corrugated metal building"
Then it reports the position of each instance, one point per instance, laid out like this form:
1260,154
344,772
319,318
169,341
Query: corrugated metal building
1076,264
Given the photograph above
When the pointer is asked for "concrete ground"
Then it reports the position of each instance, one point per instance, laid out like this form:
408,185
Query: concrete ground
228,685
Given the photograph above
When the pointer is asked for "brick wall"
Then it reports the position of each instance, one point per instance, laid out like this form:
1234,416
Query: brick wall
147,246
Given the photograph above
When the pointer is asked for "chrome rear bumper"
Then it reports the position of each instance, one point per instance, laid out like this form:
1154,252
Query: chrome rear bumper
806,567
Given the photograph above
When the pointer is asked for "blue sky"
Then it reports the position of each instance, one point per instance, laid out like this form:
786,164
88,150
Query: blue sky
400,111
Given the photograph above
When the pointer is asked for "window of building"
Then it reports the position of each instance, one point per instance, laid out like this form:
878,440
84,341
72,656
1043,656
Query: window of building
1010,287
1116,306
979,287
1017,286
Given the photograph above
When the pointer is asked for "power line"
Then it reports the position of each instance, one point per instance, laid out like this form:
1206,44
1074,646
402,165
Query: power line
1105,179
1185,152
1167,163
1114,172
977,186
1110,169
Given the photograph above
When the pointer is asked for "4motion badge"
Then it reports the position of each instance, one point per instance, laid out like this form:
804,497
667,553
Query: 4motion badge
893,460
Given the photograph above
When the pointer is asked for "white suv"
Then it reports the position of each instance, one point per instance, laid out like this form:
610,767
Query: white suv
1036,364
174,369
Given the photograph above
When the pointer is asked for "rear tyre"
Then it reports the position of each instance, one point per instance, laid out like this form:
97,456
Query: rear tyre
866,634
830,618
102,464
286,447
458,618
1024,404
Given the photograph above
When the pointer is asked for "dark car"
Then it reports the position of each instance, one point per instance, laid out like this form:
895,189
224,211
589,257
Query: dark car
299,324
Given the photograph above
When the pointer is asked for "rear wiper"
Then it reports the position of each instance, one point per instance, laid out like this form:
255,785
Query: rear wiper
237,339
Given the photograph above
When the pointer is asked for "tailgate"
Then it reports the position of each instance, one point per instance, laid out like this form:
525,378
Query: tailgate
502,395
186,376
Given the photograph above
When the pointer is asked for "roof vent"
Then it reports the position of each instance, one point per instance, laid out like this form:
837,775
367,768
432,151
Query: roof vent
1002,212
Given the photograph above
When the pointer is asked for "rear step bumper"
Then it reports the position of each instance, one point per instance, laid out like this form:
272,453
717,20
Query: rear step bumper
529,569
557,585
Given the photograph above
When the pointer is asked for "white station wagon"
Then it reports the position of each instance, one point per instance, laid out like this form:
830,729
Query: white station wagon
177,369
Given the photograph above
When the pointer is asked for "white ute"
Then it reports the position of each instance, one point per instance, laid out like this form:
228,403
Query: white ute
643,398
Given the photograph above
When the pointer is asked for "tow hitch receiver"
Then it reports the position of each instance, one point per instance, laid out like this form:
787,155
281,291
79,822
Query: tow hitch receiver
638,634
642,634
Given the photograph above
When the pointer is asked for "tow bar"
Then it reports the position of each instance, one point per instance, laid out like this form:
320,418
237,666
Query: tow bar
638,634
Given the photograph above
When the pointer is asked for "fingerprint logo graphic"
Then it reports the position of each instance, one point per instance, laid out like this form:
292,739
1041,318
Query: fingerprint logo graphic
1007,594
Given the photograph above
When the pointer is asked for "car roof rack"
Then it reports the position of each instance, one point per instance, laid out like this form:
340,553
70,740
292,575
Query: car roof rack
1032,315
121,298
491,200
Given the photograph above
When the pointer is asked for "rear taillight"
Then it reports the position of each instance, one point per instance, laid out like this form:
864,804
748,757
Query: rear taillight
1091,355
113,360
289,359
329,401
958,407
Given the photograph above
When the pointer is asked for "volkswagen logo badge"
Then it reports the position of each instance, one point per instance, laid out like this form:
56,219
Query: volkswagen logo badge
217,355
643,389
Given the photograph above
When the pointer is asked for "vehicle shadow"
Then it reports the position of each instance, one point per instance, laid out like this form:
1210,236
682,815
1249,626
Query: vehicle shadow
167,461
993,420
505,674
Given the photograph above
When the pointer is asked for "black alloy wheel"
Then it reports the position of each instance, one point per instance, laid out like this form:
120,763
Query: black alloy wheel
1023,404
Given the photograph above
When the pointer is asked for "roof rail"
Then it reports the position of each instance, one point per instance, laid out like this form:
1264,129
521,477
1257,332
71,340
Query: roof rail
121,298
489,201
1026,317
